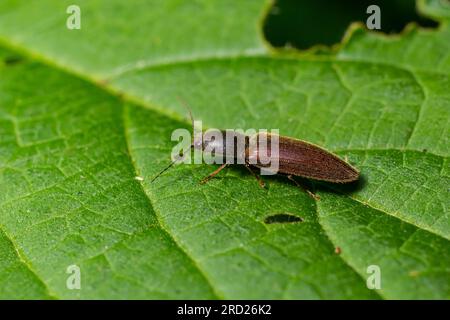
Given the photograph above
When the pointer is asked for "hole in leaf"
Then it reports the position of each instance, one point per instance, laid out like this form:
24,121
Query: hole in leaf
305,23
11,60
282,218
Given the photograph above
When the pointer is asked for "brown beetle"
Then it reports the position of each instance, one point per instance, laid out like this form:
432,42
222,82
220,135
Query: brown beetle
294,157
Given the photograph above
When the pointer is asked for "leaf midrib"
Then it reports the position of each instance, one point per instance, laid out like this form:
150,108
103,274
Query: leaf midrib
160,221
27,264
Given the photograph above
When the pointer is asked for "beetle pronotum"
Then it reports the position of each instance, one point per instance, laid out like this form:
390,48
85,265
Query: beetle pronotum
295,158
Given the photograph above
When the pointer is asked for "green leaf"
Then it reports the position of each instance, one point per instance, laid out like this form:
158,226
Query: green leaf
85,112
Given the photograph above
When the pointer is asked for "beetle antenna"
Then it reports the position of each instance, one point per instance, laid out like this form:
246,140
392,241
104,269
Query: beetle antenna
163,170
186,106
172,163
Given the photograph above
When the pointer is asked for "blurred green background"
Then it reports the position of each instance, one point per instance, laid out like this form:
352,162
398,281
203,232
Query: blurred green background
305,23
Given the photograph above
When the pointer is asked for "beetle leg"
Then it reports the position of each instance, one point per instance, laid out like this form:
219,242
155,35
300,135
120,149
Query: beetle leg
212,174
312,195
260,181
